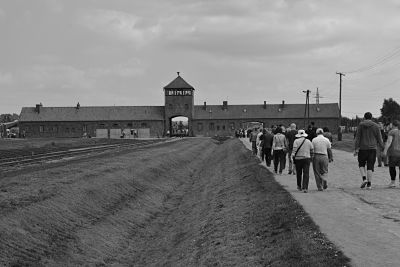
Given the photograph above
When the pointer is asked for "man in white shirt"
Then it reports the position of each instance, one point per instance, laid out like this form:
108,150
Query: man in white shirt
322,157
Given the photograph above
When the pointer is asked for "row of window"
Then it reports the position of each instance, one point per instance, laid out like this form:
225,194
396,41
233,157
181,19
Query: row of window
211,126
56,128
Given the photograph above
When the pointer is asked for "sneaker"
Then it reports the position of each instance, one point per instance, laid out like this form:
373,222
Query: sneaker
364,183
325,184
392,184
320,189
290,172
379,165
305,190
369,186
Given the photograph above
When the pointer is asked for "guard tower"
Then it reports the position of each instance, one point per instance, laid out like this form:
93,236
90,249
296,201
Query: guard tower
179,101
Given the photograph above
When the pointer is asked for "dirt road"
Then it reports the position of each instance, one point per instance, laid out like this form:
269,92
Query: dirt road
364,224
196,202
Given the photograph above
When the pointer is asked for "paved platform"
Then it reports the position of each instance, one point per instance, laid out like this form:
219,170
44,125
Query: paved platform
364,224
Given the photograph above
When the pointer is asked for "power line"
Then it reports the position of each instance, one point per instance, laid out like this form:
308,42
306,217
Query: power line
380,61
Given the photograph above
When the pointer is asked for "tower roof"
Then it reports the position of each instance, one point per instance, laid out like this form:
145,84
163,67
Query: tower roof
178,83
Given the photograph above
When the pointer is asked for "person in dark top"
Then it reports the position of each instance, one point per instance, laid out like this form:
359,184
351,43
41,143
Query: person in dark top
328,134
368,140
311,131
268,137
291,136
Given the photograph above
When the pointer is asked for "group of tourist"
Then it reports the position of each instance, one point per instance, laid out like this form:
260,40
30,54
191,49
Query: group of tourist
299,148
302,148
369,143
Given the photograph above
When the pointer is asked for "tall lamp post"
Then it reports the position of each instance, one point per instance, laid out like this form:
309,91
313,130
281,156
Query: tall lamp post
340,106
307,108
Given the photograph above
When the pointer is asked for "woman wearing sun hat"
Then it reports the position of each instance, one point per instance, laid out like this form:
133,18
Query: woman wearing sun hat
301,154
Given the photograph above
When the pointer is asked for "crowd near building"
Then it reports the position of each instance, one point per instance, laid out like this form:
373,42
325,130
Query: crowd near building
158,121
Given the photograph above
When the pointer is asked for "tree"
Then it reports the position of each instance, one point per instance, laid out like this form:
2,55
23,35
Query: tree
8,117
390,110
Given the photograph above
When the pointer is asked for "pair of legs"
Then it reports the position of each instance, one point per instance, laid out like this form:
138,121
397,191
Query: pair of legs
279,159
393,162
267,155
254,147
302,173
320,167
366,162
292,167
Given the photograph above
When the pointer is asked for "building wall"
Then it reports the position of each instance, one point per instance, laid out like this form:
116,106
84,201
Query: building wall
77,129
227,127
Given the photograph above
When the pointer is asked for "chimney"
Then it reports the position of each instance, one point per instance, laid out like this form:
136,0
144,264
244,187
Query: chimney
265,104
37,109
224,104
205,105
283,103
78,105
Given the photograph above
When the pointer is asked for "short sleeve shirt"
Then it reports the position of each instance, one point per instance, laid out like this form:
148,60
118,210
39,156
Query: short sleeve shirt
394,149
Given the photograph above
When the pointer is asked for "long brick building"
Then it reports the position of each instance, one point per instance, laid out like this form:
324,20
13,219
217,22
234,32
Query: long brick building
156,121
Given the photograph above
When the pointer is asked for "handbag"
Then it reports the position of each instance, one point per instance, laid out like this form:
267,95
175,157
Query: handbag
293,158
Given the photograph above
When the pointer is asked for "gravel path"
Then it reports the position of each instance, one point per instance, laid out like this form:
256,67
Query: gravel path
364,224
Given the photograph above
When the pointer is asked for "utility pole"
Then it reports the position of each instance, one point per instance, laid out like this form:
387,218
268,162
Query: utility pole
317,97
307,108
340,106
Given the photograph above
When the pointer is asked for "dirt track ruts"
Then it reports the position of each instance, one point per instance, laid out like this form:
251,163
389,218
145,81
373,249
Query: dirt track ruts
184,204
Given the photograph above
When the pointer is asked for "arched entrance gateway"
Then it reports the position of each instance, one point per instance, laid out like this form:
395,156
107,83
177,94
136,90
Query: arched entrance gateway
179,107
179,126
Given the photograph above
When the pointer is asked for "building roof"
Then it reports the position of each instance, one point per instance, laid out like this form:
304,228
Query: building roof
110,113
272,111
178,83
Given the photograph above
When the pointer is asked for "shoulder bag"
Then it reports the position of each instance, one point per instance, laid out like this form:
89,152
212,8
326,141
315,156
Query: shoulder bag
294,160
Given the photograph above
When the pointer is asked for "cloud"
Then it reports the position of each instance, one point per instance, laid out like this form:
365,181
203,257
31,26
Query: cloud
121,25
6,78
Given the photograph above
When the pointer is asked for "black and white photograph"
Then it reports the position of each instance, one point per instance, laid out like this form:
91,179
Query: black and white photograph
199,133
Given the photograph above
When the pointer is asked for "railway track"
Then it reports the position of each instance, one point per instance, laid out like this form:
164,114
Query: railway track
13,162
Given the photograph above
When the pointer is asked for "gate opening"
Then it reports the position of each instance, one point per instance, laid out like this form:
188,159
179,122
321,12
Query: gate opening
179,126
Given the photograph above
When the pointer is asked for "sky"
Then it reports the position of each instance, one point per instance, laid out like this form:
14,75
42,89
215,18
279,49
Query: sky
123,52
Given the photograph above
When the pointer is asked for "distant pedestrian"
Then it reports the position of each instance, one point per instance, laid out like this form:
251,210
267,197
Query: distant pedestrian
258,142
328,134
291,136
368,140
392,150
253,140
321,159
311,131
267,146
302,151
279,147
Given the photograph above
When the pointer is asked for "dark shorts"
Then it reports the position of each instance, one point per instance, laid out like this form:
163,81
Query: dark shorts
367,157
394,161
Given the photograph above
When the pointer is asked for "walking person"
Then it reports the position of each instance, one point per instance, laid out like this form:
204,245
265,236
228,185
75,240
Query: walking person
279,147
267,146
258,142
392,150
368,140
302,152
253,140
328,134
321,159
291,136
